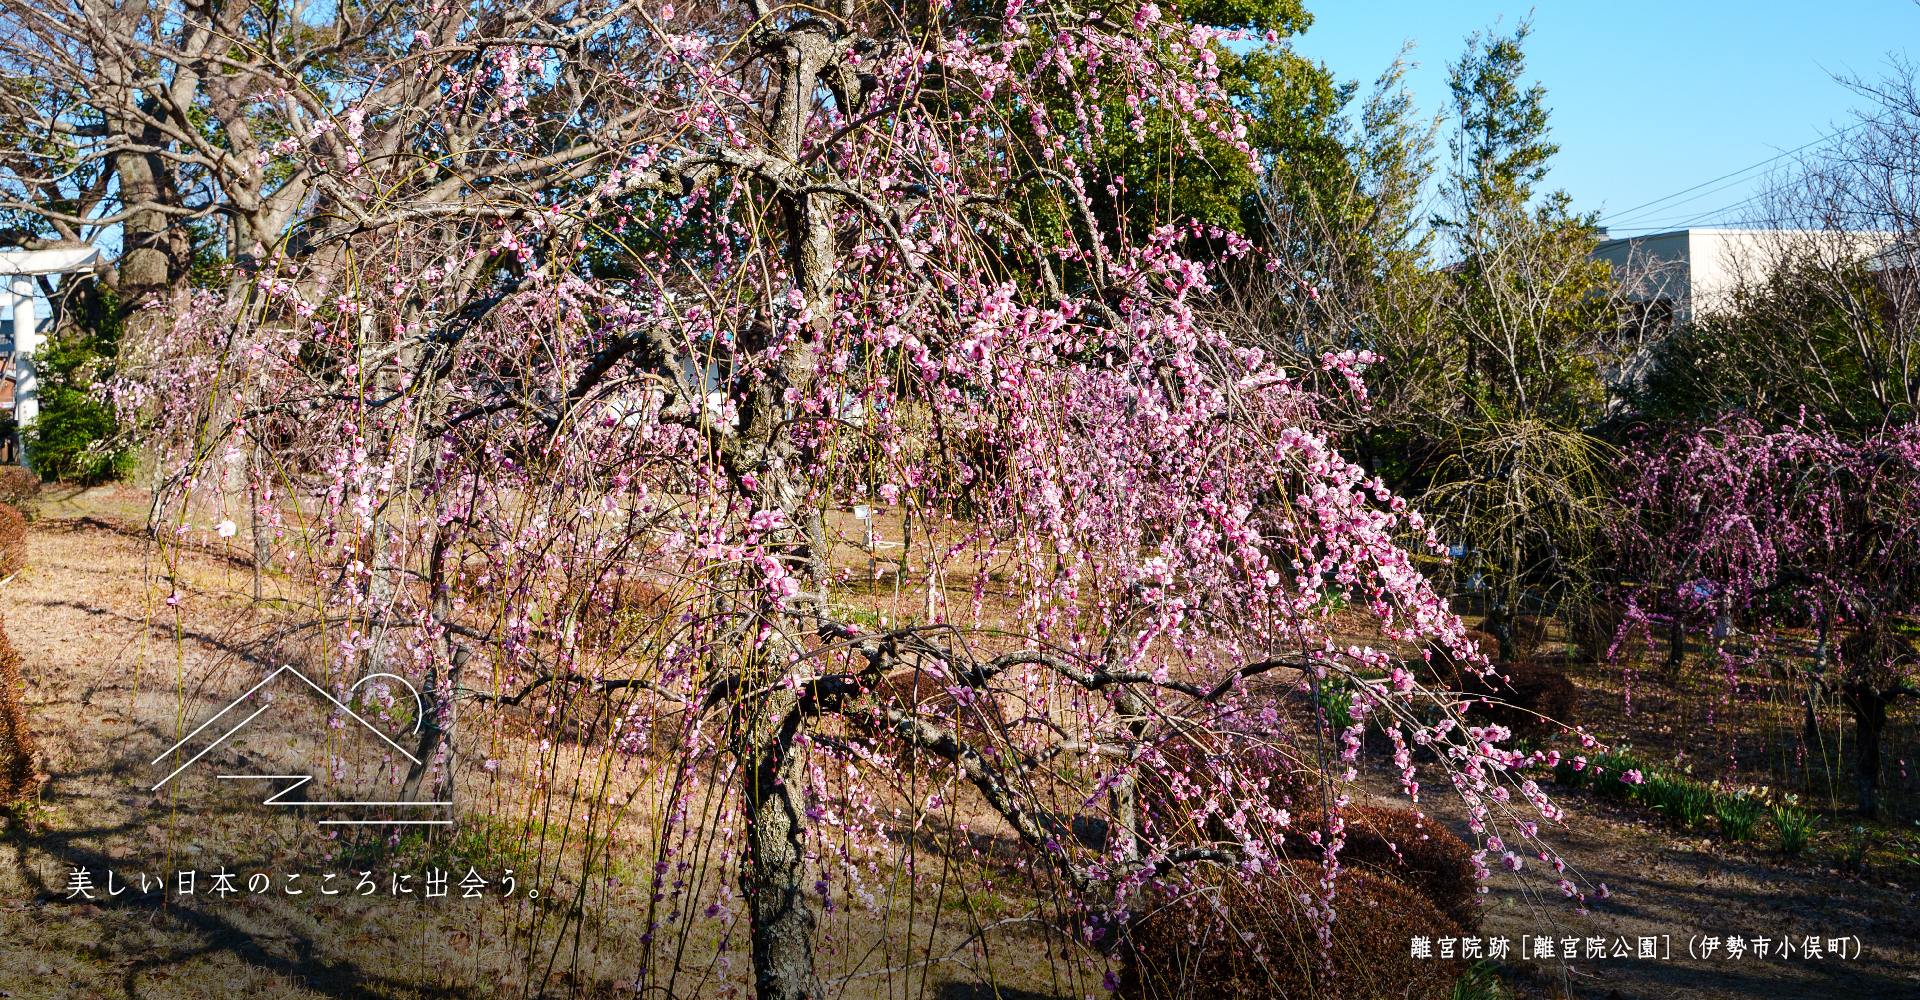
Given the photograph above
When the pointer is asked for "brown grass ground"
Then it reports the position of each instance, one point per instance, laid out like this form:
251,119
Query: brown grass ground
113,676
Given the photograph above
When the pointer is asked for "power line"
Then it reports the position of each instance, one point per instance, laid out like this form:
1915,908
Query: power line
1688,221
1628,220
1625,213
1680,220
1721,213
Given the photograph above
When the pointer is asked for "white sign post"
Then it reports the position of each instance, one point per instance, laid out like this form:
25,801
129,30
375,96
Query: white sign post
864,514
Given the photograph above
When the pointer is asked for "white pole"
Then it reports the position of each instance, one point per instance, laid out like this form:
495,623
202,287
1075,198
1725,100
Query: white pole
26,340
18,300
8,303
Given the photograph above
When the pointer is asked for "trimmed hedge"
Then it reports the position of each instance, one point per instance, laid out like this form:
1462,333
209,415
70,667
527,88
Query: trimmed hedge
19,488
1251,769
1535,700
13,541
1417,852
1260,940
1528,632
16,740
1414,851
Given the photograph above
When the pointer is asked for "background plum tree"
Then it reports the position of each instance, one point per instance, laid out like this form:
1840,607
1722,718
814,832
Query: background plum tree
1736,522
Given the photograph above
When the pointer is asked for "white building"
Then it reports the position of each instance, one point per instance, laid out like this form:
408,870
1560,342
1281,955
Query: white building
1688,270
1673,276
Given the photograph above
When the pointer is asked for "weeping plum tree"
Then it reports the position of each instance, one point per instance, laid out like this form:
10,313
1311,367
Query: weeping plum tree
806,257
1799,523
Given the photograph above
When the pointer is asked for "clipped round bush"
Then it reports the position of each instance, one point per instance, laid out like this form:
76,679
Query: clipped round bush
1538,700
16,741
1244,772
18,487
13,541
1412,850
1442,668
1528,632
1532,699
1257,935
1417,852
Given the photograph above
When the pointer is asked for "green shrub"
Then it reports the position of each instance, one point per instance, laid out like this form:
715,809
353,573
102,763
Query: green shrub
1853,853
1335,698
1570,777
1692,803
1684,801
1597,772
75,437
1607,774
1738,814
1482,982
1794,826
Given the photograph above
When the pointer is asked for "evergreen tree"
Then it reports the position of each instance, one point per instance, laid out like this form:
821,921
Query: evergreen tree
1527,326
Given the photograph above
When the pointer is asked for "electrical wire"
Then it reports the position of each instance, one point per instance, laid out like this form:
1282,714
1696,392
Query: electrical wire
1624,216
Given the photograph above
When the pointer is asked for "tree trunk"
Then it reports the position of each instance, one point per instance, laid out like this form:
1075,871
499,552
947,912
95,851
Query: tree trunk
1126,795
1820,653
772,874
155,254
1869,707
262,545
1676,650
1812,734
431,780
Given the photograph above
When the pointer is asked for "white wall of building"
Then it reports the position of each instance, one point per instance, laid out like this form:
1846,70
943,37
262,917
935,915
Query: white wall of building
22,338
1700,270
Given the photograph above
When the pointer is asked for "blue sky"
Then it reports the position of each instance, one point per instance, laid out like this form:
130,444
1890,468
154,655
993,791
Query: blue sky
1648,98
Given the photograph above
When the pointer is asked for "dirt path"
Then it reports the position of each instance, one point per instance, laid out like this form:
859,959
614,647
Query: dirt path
1680,888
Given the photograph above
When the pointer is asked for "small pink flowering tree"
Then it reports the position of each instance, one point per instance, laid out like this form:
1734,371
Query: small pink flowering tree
1793,524
845,256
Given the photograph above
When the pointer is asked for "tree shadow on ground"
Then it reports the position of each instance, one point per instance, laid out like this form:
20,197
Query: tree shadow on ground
984,991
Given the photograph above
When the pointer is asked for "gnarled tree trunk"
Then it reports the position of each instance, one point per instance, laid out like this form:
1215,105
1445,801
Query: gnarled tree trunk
1869,706
772,873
